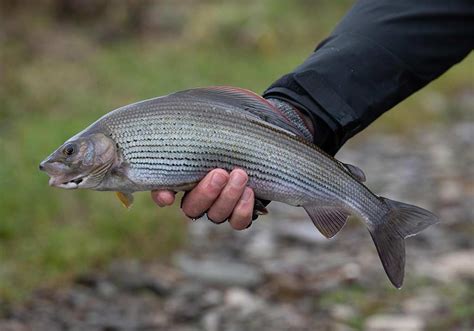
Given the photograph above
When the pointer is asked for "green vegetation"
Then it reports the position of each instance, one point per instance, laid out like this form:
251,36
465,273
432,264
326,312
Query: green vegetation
56,79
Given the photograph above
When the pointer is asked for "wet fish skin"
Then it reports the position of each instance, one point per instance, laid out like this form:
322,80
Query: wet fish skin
172,142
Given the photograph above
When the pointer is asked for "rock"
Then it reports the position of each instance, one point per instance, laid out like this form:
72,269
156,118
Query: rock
199,230
442,158
351,271
106,289
211,321
454,266
190,301
273,317
435,101
219,272
261,246
341,327
13,326
131,276
282,211
341,312
465,99
243,300
394,323
423,304
450,192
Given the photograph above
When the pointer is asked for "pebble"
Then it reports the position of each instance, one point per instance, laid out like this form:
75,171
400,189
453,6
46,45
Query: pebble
242,300
450,191
423,304
281,274
394,323
454,266
341,312
225,273
191,300
131,276
261,246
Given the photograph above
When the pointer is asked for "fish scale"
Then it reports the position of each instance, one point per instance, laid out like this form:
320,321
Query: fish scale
182,145
172,142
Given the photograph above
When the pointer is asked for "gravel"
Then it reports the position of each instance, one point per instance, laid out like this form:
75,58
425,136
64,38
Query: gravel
281,274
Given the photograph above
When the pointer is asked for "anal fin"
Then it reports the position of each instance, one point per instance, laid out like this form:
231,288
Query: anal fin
125,198
328,219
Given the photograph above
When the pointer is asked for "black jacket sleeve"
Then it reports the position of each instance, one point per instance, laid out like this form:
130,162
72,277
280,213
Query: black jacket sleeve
380,53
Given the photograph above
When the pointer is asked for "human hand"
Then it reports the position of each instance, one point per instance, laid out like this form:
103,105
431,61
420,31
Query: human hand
221,195
225,196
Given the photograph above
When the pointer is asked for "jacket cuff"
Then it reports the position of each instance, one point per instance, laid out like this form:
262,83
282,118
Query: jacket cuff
325,128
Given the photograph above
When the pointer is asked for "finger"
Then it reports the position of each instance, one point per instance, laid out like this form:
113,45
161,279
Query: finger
242,214
163,197
222,208
199,199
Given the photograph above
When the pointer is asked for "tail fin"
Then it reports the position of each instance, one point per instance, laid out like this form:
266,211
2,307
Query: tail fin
402,221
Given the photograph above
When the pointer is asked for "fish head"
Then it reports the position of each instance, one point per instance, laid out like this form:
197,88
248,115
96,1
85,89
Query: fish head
81,162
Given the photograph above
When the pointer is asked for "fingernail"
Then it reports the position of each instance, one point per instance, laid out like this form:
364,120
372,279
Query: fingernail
237,179
246,195
218,180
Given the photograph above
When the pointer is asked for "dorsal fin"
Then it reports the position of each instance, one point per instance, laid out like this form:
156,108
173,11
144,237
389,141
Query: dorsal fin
355,171
243,100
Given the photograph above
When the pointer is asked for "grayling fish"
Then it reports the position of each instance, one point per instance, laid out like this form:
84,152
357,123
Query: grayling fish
172,142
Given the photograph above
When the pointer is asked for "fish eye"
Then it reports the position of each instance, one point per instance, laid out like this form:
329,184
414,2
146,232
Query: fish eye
69,149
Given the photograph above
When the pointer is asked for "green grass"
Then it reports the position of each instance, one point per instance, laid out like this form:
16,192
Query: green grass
47,234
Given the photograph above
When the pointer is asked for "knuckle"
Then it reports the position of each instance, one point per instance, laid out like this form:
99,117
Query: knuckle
221,210
218,213
207,198
232,193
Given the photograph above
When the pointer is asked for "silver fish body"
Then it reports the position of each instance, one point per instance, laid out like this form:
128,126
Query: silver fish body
169,145
172,142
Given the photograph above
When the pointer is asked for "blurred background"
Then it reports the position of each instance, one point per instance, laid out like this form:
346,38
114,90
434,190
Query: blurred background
78,260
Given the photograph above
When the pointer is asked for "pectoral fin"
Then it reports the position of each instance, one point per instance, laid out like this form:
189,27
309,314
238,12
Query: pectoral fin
125,198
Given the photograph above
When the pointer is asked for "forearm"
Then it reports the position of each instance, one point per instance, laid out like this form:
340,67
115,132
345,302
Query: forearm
380,53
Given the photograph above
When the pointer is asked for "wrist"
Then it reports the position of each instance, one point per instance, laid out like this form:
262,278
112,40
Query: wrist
300,120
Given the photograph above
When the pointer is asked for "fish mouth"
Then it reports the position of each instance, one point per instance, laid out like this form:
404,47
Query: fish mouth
70,184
